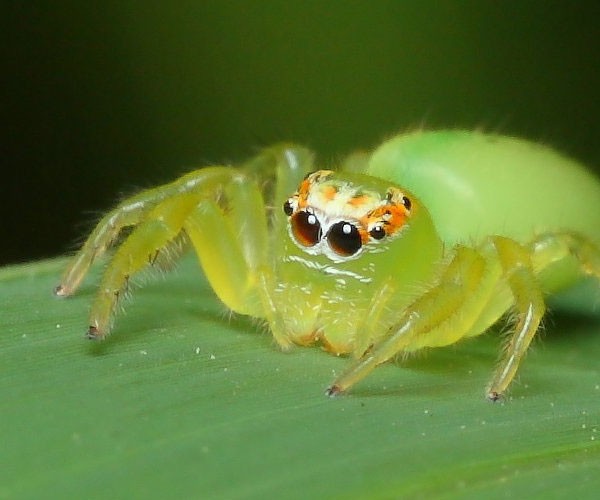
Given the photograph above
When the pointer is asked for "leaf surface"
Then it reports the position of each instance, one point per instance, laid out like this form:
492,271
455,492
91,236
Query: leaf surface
185,401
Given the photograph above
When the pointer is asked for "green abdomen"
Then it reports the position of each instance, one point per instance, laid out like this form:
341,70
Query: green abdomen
476,185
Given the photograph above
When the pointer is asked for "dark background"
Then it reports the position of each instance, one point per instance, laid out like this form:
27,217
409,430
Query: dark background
105,98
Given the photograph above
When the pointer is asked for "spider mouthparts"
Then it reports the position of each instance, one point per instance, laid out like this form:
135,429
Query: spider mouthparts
333,391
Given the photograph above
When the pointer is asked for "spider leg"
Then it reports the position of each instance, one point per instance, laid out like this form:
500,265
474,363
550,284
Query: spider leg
522,265
550,248
232,248
441,316
529,305
233,241
472,294
286,162
127,213
279,169
366,328
221,210
161,226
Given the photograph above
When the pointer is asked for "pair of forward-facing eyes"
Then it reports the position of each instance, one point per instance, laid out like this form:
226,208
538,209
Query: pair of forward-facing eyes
343,237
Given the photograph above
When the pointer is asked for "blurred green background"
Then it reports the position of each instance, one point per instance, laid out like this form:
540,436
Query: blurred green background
103,98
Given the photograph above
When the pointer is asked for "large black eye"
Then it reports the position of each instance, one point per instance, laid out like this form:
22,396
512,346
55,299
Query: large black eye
306,228
344,238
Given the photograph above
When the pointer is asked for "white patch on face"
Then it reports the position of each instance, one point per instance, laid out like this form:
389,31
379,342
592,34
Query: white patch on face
328,269
341,206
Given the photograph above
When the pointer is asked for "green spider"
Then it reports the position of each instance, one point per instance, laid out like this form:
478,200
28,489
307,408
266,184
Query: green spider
429,239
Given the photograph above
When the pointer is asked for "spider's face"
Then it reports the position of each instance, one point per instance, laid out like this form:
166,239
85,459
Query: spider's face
341,219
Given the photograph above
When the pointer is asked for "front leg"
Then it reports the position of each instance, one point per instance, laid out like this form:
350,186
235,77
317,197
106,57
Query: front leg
466,300
280,167
130,213
232,248
163,215
441,316
233,239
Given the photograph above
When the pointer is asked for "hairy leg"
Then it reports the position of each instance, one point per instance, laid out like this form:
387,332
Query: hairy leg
439,317
278,169
529,307
521,265
232,248
130,213
510,266
150,237
202,204
233,241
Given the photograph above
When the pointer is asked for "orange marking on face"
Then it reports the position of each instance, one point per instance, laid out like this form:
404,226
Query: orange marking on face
307,184
364,234
329,192
303,191
359,200
391,216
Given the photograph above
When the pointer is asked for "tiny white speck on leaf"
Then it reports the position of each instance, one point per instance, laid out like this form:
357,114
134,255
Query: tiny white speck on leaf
144,353
212,356
197,350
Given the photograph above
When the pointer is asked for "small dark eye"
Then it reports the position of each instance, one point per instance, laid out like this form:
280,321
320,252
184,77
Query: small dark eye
306,228
287,208
377,233
344,239
406,202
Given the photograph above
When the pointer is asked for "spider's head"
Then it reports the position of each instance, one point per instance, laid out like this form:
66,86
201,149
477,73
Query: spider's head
342,215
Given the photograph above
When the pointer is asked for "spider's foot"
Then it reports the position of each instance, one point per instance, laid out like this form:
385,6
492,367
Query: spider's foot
61,291
494,396
333,391
93,333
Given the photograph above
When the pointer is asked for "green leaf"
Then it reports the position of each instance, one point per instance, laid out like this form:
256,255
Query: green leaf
185,401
